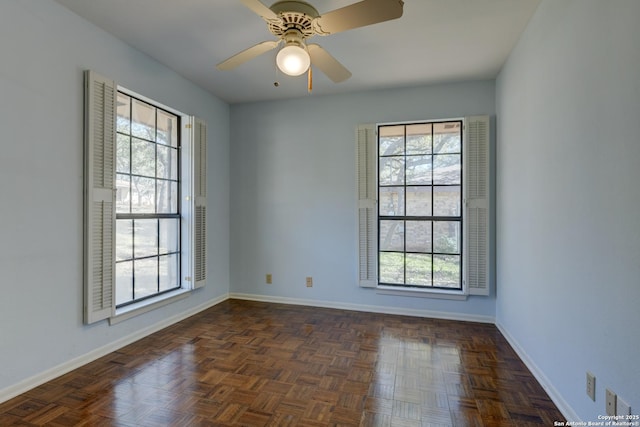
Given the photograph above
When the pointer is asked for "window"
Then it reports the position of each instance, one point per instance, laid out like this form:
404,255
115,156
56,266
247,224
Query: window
145,201
419,209
423,211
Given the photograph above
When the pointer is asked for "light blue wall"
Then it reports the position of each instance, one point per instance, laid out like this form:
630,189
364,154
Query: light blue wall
568,243
293,191
568,198
43,51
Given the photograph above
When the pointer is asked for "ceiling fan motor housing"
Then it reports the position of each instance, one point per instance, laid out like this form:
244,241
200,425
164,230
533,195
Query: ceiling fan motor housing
294,15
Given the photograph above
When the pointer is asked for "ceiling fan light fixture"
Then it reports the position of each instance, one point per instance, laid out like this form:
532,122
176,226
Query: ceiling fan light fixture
293,60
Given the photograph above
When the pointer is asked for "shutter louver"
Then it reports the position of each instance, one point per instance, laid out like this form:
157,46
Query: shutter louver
477,205
200,189
99,209
367,216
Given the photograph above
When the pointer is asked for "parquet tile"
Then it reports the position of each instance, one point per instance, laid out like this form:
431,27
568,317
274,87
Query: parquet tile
245,363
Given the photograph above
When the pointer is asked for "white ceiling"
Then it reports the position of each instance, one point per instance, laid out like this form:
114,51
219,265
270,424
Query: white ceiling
435,41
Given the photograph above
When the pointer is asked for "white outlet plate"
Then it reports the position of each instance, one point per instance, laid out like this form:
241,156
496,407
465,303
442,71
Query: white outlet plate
591,386
610,402
309,282
622,407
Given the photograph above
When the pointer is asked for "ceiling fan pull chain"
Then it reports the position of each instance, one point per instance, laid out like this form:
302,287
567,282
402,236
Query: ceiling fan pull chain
310,81
276,83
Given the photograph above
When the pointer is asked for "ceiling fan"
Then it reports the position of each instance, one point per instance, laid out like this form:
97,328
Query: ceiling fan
294,21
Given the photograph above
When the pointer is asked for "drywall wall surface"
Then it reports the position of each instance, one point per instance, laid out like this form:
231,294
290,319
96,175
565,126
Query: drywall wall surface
44,50
293,192
568,235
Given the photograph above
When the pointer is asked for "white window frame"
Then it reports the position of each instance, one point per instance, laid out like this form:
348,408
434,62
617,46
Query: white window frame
99,205
476,256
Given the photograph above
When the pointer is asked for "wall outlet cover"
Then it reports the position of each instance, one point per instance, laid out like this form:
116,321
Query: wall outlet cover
610,402
591,386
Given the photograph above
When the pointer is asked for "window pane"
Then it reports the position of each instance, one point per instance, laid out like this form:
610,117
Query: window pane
446,237
392,235
391,267
123,111
143,158
446,169
419,139
167,129
169,270
418,269
123,158
124,282
391,140
447,138
391,201
446,201
146,274
392,171
418,236
167,162
418,201
169,236
145,237
143,194
123,193
124,239
143,120
419,170
446,271
167,197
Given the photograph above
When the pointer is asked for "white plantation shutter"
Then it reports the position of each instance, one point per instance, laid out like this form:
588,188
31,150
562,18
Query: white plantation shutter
366,157
99,198
477,205
199,129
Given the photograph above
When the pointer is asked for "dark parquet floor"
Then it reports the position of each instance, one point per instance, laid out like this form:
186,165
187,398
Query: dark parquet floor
248,363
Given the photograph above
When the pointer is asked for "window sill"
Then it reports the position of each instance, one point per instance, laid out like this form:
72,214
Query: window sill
455,295
145,306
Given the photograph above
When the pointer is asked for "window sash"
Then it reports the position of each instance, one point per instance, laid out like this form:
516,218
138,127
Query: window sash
139,129
396,140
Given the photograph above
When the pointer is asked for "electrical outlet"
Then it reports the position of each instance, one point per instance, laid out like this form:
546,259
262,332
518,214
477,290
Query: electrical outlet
269,279
610,402
591,386
622,407
309,282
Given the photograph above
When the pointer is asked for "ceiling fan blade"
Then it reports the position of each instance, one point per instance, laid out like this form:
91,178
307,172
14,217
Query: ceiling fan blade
247,54
328,64
260,8
357,15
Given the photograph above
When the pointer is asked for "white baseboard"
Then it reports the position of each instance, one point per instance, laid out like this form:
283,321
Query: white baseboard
368,308
555,396
70,365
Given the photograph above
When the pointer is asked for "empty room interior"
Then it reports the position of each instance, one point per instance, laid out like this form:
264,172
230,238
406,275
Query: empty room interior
435,221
